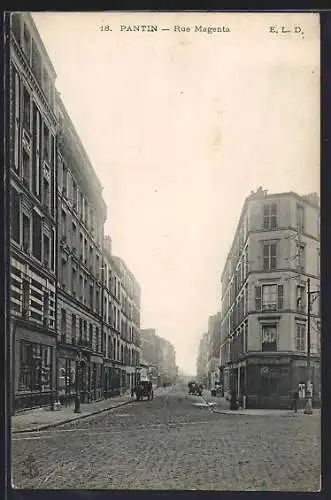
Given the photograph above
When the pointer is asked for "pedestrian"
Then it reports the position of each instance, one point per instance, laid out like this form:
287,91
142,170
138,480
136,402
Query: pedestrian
295,397
233,400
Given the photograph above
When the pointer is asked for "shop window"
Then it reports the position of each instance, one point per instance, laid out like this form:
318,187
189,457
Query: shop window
35,367
269,338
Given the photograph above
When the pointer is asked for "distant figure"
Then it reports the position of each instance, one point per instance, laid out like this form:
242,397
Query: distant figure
295,397
233,400
164,385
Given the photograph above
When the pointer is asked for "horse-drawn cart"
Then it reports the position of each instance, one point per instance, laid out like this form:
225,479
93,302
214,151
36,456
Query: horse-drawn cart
144,390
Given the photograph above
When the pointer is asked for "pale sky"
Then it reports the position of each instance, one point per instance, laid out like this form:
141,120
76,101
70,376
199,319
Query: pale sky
180,127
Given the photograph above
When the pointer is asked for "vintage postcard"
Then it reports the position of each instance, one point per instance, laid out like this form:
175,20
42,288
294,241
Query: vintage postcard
164,250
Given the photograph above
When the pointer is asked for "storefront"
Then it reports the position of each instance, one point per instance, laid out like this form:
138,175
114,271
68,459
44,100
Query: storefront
269,382
66,375
95,392
34,367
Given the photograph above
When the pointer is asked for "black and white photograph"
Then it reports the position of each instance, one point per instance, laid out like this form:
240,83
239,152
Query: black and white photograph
164,250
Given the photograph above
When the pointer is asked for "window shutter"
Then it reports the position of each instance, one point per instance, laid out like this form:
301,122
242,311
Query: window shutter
280,297
258,298
273,256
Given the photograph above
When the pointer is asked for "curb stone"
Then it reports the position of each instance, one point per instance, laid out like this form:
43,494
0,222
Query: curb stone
72,419
211,406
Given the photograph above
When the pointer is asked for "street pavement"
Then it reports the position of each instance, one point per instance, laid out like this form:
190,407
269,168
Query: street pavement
175,442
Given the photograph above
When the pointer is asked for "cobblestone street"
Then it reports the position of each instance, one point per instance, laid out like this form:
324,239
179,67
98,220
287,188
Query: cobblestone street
172,442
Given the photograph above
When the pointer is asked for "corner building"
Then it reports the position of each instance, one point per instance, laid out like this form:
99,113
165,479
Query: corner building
263,352
33,231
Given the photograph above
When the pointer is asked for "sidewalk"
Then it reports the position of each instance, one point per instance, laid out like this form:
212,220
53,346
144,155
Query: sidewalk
44,418
219,404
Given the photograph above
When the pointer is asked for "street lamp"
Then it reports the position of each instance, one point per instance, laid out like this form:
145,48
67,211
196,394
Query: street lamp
309,393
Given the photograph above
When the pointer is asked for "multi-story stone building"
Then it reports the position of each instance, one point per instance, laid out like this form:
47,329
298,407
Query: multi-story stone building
213,349
129,323
161,355
264,308
81,216
202,359
74,308
32,132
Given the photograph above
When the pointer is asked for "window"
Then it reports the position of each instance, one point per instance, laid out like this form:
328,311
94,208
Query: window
36,62
46,308
27,43
73,282
26,233
97,338
25,298
15,215
270,216
91,334
91,297
63,321
272,297
64,225
301,257
80,329
46,143
35,367
269,338
16,120
52,253
300,338
301,298
16,26
26,109
269,256
26,168
73,327
46,194
36,151
46,250
36,235
300,217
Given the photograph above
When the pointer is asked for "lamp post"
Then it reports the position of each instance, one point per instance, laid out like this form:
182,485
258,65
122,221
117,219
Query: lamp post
309,393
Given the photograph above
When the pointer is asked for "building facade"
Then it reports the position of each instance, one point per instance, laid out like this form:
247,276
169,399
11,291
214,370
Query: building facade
81,215
129,323
33,230
263,352
74,307
161,355
202,359
213,350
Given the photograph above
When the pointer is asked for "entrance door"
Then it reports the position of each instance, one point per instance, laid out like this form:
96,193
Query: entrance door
269,389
